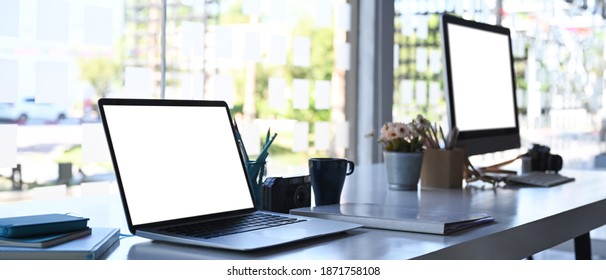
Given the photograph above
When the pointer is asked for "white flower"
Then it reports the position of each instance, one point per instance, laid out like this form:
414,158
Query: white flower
391,131
405,137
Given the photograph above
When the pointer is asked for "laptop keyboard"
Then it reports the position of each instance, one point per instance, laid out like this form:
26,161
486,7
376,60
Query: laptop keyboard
232,225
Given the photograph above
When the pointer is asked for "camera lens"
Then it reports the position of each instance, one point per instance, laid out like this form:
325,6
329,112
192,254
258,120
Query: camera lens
302,197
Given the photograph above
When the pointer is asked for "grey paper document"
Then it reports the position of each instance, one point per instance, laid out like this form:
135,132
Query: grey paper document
396,217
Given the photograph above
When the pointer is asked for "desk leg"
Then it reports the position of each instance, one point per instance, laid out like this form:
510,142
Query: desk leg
582,247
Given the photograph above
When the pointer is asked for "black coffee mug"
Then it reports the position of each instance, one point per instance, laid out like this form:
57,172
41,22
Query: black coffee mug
327,178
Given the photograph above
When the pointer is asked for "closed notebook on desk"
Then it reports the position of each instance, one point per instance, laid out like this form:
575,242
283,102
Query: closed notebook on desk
44,241
32,225
89,247
396,218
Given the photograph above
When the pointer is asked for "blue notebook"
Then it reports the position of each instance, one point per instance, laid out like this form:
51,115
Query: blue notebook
44,241
91,247
33,225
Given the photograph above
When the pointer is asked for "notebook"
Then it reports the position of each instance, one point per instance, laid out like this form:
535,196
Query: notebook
35,225
97,245
397,217
177,163
44,241
540,179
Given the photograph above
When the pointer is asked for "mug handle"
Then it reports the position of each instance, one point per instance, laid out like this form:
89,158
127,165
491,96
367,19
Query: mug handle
351,166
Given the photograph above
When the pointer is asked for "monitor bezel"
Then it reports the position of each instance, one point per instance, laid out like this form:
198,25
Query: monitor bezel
485,140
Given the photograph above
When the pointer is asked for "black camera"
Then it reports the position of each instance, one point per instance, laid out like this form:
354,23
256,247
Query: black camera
280,194
541,159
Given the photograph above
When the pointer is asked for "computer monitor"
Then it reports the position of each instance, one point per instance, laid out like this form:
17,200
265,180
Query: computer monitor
480,85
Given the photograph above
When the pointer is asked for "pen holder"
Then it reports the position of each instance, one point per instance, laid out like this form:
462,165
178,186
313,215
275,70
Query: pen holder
256,174
442,168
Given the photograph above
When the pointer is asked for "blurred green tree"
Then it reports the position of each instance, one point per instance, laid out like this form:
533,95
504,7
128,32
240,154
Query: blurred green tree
101,73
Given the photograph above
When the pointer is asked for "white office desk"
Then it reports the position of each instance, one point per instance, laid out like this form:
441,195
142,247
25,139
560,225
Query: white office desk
528,220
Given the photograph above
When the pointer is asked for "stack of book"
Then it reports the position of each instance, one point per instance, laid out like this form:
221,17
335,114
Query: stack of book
53,236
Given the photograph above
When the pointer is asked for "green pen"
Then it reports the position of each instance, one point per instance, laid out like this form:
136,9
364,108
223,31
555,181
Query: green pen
241,143
265,152
267,137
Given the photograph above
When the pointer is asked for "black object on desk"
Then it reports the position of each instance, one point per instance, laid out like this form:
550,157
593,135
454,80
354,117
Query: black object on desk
280,194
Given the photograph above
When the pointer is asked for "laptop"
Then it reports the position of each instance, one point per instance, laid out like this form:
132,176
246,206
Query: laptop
177,165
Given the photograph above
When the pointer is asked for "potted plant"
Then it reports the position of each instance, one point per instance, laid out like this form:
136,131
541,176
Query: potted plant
403,145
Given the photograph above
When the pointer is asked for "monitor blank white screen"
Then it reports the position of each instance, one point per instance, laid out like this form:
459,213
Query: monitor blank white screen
482,79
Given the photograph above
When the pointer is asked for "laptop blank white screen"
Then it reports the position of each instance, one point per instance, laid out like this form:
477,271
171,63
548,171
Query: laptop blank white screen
176,161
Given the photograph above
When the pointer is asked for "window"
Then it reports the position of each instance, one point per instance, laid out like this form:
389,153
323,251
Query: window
58,57
558,50
281,65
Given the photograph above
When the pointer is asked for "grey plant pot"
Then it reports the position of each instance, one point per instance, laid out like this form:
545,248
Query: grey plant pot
403,169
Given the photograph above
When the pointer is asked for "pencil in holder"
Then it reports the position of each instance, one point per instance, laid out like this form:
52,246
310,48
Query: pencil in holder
256,174
442,168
